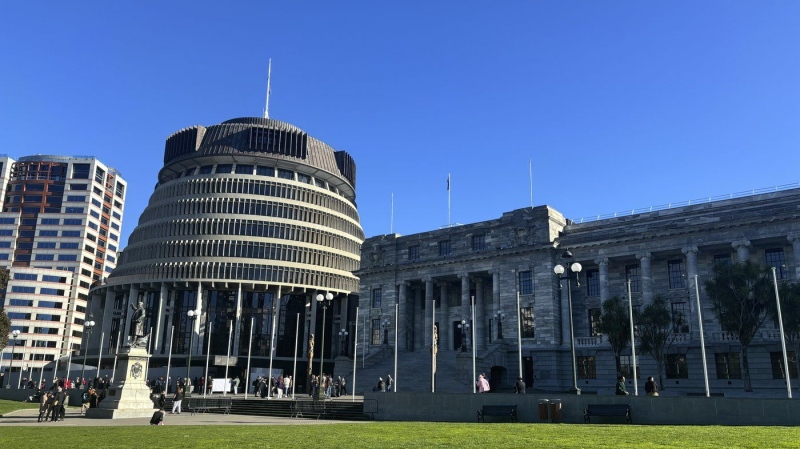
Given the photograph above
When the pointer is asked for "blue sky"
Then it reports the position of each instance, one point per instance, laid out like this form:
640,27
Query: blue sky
618,104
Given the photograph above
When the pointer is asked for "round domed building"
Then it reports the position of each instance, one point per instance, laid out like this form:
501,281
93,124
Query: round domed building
250,220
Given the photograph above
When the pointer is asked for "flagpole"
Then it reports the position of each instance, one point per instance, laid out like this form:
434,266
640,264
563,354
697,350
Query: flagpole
355,357
448,199
169,357
269,90
208,356
530,176
228,359
296,344
116,354
272,342
249,352
100,357
633,341
391,219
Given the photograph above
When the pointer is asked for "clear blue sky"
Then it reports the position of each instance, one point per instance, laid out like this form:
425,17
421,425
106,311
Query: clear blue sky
618,104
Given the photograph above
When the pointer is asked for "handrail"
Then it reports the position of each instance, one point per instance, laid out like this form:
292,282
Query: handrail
668,206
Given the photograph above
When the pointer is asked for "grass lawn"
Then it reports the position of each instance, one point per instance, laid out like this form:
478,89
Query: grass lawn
10,406
405,434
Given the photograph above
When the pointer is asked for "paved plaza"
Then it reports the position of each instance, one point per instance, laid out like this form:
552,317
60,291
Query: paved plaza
74,418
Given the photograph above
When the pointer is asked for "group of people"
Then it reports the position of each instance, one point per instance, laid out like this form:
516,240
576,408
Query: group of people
650,387
267,387
384,386
328,386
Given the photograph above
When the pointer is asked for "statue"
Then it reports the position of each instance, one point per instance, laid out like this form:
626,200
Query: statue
137,335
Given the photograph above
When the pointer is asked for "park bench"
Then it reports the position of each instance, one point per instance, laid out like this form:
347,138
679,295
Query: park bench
607,410
509,411
202,405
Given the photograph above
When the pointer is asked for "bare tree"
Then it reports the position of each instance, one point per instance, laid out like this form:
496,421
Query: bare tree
740,294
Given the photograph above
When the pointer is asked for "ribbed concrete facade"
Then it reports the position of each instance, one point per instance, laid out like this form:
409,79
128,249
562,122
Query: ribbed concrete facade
250,219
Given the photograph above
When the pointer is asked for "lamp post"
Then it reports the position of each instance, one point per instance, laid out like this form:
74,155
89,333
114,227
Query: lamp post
14,335
500,316
464,326
88,326
192,315
323,301
568,272
342,342
385,325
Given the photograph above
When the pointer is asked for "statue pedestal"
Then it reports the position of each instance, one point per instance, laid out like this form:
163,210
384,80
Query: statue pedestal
129,397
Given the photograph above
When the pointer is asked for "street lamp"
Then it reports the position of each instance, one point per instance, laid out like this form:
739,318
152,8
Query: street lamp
88,326
14,334
568,273
385,325
500,317
323,301
342,342
192,315
464,326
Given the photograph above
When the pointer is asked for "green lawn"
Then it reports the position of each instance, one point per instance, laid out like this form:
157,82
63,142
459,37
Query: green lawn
10,406
404,434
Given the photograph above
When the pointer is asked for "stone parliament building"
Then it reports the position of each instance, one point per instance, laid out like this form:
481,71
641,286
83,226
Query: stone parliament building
660,252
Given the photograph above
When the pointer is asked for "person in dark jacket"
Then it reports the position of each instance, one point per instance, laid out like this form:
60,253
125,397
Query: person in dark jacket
519,387
158,418
176,400
621,391
650,387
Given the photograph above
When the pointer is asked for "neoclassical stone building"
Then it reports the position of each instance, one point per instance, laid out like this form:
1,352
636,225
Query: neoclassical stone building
249,221
494,261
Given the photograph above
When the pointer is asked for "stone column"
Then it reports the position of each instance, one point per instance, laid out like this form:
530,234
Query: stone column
742,248
466,313
602,263
237,324
199,321
404,322
480,315
795,241
565,312
162,304
647,278
444,320
691,271
419,319
430,305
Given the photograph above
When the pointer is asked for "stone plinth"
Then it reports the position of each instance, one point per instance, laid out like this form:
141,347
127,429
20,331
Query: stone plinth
130,397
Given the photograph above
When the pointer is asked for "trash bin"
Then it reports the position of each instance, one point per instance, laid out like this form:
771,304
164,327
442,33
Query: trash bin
555,410
543,405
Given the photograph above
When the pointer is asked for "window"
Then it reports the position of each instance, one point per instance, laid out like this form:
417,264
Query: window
68,257
593,282
680,323
413,253
304,178
73,210
76,198
44,257
10,232
94,213
376,331
528,325
676,276
25,276
728,365
626,367
51,291
632,274
69,233
265,171
594,320
22,303
6,221
676,366
376,298
80,171
94,226
244,169
206,169
285,174
73,222
44,233
78,186
21,289
525,283
224,168
587,368
479,242
49,278
778,371
8,244
722,259
69,245
775,258
444,248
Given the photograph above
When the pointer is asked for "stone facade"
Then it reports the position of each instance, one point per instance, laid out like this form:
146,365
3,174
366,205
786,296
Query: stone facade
493,262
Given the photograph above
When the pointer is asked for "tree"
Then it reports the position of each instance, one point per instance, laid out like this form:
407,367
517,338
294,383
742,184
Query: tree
790,311
657,332
614,323
740,294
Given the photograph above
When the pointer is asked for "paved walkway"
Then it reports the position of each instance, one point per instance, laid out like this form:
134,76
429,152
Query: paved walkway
73,418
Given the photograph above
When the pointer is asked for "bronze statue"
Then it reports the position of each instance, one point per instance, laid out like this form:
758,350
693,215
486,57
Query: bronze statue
137,334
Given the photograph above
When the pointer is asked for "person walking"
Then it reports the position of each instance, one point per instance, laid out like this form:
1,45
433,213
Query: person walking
44,403
519,387
176,400
483,384
650,387
236,382
389,382
620,390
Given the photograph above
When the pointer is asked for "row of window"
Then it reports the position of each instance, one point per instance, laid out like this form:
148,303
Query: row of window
243,249
249,228
257,187
42,290
239,206
241,271
446,248
676,367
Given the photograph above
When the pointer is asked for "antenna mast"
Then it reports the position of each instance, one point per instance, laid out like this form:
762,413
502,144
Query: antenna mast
269,91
